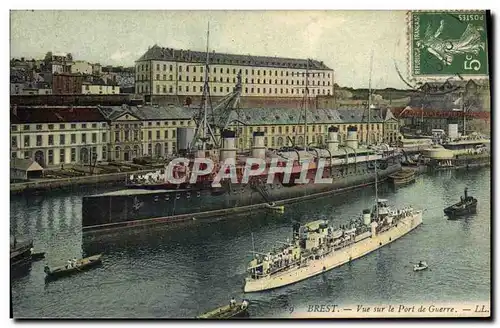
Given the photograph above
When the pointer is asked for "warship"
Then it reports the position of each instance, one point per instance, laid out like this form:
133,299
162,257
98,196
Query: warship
153,198
317,246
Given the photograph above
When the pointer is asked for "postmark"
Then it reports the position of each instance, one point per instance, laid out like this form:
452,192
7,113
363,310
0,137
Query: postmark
447,43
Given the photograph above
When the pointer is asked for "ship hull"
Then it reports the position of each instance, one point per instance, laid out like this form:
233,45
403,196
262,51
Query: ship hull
460,162
336,259
129,208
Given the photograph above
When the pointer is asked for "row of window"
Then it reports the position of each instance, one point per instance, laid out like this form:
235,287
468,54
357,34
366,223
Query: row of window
283,141
62,138
50,139
300,128
87,87
85,154
193,68
127,135
286,91
142,77
84,157
195,89
150,123
39,127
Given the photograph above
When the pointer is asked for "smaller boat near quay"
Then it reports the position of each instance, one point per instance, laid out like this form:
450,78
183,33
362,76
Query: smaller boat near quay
466,205
458,152
21,252
73,267
22,255
37,256
420,266
233,310
402,177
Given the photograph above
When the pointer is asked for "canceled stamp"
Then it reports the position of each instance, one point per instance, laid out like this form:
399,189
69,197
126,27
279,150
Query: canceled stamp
445,43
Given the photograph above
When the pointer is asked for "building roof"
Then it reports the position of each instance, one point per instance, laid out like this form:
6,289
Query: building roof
149,112
283,116
25,164
63,114
168,54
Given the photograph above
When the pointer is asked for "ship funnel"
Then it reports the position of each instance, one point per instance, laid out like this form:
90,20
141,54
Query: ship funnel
228,149
352,137
453,131
259,148
333,139
366,217
374,226
185,137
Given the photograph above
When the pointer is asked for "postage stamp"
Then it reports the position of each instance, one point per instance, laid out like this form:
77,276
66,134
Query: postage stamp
445,43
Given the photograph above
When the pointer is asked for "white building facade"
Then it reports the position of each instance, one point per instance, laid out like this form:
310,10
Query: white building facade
144,130
165,71
81,66
52,141
100,89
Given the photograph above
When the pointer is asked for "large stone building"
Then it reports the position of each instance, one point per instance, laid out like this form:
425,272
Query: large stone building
286,127
74,135
58,135
166,71
55,135
145,130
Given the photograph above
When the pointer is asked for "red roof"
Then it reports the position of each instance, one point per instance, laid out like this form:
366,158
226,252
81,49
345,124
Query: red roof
56,115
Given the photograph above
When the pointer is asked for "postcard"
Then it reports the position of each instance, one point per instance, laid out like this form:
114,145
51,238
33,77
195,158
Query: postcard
250,164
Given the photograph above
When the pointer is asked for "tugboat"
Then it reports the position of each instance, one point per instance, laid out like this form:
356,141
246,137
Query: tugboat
317,247
467,205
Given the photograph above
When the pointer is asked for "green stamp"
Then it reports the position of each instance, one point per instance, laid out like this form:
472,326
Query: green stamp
448,43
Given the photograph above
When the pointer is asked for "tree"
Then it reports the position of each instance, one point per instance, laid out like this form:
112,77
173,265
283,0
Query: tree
48,57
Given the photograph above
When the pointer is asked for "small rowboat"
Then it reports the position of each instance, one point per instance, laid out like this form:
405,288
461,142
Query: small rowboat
226,312
420,266
81,265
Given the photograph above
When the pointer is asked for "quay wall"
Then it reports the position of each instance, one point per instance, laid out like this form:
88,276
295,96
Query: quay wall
44,185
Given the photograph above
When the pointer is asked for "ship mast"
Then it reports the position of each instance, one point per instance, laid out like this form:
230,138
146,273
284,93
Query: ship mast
463,110
205,92
369,99
306,105
203,129
376,188
253,245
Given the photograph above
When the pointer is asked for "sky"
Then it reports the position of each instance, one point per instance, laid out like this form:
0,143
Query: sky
344,40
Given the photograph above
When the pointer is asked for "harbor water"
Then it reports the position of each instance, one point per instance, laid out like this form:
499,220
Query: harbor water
184,271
